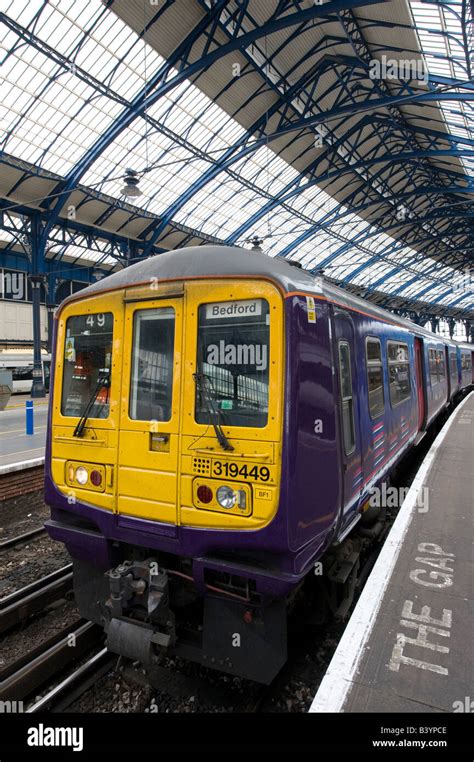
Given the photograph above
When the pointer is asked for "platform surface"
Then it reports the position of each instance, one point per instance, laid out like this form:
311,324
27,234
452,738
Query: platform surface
409,645
15,445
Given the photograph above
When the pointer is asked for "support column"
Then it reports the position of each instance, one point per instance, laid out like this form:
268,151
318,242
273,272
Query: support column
435,324
37,279
50,307
451,326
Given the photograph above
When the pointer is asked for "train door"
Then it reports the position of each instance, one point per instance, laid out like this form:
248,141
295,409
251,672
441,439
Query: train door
148,462
420,393
353,478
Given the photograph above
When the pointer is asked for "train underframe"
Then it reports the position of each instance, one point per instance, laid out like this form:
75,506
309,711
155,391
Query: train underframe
150,608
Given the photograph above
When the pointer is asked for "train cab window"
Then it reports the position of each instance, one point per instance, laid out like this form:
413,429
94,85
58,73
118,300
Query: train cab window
399,372
373,351
347,401
151,387
233,352
87,353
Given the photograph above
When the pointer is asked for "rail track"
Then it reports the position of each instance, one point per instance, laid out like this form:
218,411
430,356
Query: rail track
69,689
21,538
22,678
23,603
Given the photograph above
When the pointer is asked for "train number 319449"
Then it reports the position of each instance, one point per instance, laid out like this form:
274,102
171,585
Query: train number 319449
247,471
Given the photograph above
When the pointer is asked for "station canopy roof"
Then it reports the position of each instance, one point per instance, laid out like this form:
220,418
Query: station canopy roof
339,134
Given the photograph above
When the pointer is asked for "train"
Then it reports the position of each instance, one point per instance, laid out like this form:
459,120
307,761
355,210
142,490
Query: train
20,362
218,423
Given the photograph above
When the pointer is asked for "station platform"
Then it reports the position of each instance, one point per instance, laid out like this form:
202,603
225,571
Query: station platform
15,445
408,646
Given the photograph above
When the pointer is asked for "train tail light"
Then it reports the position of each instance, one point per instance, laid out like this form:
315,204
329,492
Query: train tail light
96,478
91,476
204,493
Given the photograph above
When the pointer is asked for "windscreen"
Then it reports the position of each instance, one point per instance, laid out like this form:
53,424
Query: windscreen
234,354
87,351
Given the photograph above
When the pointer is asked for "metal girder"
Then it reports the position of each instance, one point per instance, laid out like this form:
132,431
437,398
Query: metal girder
285,16
379,256
387,229
239,150
302,183
160,84
230,157
461,299
400,268
342,211
67,224
361,49
393,159
387,301
13,260
445,293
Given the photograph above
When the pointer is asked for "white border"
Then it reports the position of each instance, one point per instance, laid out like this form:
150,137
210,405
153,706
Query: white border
21,465
343,667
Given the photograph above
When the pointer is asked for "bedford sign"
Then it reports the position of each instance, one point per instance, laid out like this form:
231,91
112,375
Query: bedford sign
242,308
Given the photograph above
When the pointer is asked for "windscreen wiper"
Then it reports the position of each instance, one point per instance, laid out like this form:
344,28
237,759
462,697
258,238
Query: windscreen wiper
202,385
103,382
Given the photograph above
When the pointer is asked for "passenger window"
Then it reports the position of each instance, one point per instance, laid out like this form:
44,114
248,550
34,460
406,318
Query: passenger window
399,372
440,363
452,360
151,387
347,402
433,367
375,377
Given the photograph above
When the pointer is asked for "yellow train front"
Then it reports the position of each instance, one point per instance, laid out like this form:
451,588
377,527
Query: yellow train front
164,459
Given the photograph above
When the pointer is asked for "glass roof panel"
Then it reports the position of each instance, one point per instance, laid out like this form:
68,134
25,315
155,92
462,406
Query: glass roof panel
53,114
445,46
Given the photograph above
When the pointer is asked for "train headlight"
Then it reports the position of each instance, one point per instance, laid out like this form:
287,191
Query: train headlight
81,475
226,497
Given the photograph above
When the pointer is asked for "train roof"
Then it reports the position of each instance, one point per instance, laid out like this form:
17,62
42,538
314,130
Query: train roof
213,261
